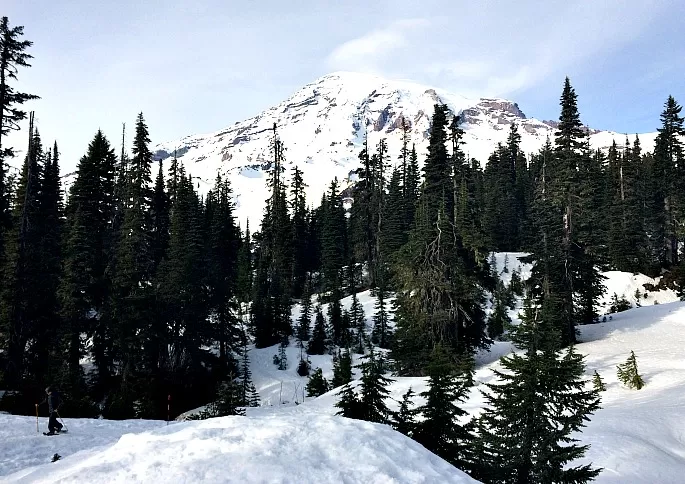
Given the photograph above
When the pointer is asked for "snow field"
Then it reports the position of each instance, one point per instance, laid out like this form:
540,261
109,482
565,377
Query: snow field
284,448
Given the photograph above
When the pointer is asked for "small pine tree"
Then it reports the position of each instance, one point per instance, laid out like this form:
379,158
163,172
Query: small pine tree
598,383
499,319
628,374
249,392
374,390
358,322
229,400
348,403
619,304
381,334
638,297
317,344
303,366
516,284
440,430
342,368
281,359
404,420
305,318
317,384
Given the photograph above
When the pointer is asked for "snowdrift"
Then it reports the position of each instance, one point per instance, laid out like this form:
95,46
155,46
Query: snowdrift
288,448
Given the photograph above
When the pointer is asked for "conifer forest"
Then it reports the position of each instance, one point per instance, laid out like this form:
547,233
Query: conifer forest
131,288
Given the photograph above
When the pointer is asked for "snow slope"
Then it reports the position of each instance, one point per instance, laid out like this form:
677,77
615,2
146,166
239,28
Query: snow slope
284,448
638,437
323,126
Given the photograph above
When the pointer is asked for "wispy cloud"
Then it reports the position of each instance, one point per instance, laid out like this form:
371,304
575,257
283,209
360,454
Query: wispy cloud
495,48
368,52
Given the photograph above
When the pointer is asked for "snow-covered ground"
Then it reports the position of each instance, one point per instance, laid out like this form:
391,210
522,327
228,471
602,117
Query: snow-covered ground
637,436
286,448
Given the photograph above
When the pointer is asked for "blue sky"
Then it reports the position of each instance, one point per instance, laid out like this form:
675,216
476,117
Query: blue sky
198,66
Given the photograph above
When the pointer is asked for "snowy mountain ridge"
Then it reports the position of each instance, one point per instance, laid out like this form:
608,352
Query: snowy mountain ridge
323,126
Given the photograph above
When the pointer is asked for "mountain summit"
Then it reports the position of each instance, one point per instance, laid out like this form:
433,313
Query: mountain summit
323,126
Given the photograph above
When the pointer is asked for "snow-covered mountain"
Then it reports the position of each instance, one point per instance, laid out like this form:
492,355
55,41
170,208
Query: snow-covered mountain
323,126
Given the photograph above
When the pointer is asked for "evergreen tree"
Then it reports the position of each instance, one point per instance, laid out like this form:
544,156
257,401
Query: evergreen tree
298,204
667,185
87,248
540,401
160,218
305,319
317,384
565,274
45,348
628,374
22,277
439,278
440,430
250,397
333,241
381,334
317,344
411,188
358,322
282,357
373,391
394,232
342,369
223,241
348,402
271,302
244,276
404,420
229,400
13,55
597,383
499,319
303,365
501,210
130,296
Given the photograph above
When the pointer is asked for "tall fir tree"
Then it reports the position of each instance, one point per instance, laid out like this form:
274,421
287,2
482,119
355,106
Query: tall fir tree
565,274
298,205
223,241
87,248
160,218
130,296
45,347
13,55
667,185
22,277
271,302
439,279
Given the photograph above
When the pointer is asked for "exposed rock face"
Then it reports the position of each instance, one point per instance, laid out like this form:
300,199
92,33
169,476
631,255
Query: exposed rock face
324,126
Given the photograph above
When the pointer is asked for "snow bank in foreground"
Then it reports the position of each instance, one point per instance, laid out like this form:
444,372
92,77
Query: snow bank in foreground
288,448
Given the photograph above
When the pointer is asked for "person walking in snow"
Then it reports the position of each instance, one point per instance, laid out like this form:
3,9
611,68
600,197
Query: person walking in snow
53,401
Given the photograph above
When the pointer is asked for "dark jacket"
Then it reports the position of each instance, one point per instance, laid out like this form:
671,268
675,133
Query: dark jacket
53,401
